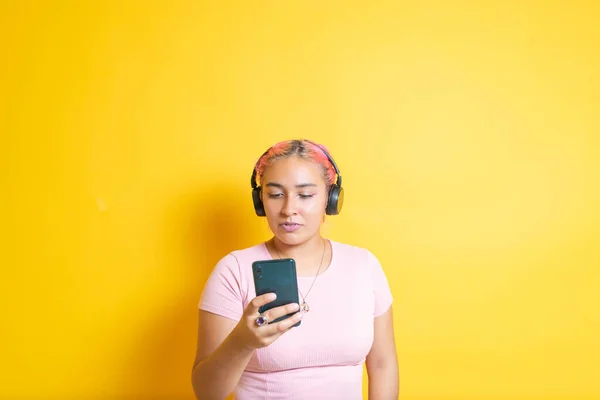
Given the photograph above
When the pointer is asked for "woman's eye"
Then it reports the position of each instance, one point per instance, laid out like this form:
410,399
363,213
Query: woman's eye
278,195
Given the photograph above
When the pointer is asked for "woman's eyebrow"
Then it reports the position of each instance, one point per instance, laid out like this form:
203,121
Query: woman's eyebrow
280,186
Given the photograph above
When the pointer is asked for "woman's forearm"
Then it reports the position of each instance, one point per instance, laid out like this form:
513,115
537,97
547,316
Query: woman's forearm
215,376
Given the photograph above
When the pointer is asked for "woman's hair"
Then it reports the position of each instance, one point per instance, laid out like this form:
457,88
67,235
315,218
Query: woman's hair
304,149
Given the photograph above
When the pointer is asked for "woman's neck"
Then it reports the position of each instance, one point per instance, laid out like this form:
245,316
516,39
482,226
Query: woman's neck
312,248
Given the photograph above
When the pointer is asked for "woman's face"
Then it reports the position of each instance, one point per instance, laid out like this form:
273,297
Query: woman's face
294,196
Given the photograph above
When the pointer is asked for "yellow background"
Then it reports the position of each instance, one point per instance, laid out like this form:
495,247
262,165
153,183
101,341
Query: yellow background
467,133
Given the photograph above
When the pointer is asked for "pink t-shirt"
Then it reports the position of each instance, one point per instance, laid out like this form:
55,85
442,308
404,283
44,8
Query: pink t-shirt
322,358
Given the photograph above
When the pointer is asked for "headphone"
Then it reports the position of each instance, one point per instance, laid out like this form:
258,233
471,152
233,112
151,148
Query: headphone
335,199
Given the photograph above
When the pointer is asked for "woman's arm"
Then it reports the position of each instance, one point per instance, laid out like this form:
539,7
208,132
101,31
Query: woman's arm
225,347
220,359
382,362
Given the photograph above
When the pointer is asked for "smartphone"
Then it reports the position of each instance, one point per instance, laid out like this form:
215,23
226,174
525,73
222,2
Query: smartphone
279,277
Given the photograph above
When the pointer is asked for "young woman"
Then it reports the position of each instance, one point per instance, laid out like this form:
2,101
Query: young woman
345,301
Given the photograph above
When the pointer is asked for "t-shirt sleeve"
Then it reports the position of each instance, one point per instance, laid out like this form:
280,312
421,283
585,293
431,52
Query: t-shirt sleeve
222,293
381,287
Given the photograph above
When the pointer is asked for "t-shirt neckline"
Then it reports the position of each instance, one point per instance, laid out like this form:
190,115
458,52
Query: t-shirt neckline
326,272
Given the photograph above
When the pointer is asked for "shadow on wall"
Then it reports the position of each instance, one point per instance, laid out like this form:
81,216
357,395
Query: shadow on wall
214,223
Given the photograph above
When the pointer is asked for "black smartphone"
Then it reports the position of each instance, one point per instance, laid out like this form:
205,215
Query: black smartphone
279,277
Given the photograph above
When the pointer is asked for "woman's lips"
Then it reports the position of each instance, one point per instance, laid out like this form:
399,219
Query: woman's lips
290,226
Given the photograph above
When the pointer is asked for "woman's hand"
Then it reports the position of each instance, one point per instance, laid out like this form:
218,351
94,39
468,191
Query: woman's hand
252,336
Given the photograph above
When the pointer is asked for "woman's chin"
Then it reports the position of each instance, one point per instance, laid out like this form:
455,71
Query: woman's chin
293,238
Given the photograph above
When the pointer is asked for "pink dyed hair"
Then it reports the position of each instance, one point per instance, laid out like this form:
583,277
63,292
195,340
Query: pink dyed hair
304,149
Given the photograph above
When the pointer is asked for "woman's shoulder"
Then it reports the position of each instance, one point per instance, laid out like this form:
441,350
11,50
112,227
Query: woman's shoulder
354,252
360,259
236,265
254,252
245,255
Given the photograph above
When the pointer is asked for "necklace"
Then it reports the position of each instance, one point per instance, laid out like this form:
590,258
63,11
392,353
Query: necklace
304,306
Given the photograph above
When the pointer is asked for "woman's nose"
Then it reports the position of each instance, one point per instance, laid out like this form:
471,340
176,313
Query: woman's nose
289,207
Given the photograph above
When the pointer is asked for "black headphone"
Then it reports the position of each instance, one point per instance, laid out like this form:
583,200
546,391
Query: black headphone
336,192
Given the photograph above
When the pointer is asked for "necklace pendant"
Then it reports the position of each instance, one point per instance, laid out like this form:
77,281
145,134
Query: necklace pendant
304,307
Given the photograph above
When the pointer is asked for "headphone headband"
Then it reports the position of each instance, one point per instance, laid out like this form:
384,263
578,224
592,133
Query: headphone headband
335,167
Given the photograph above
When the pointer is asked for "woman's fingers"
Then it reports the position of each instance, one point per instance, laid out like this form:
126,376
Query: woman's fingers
280,327
259,301
258,336
280,311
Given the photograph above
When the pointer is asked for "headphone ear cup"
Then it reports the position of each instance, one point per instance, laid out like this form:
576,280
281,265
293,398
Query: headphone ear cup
335,200
259,207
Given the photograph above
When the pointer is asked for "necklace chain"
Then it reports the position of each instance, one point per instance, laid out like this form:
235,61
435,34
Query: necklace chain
304,305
